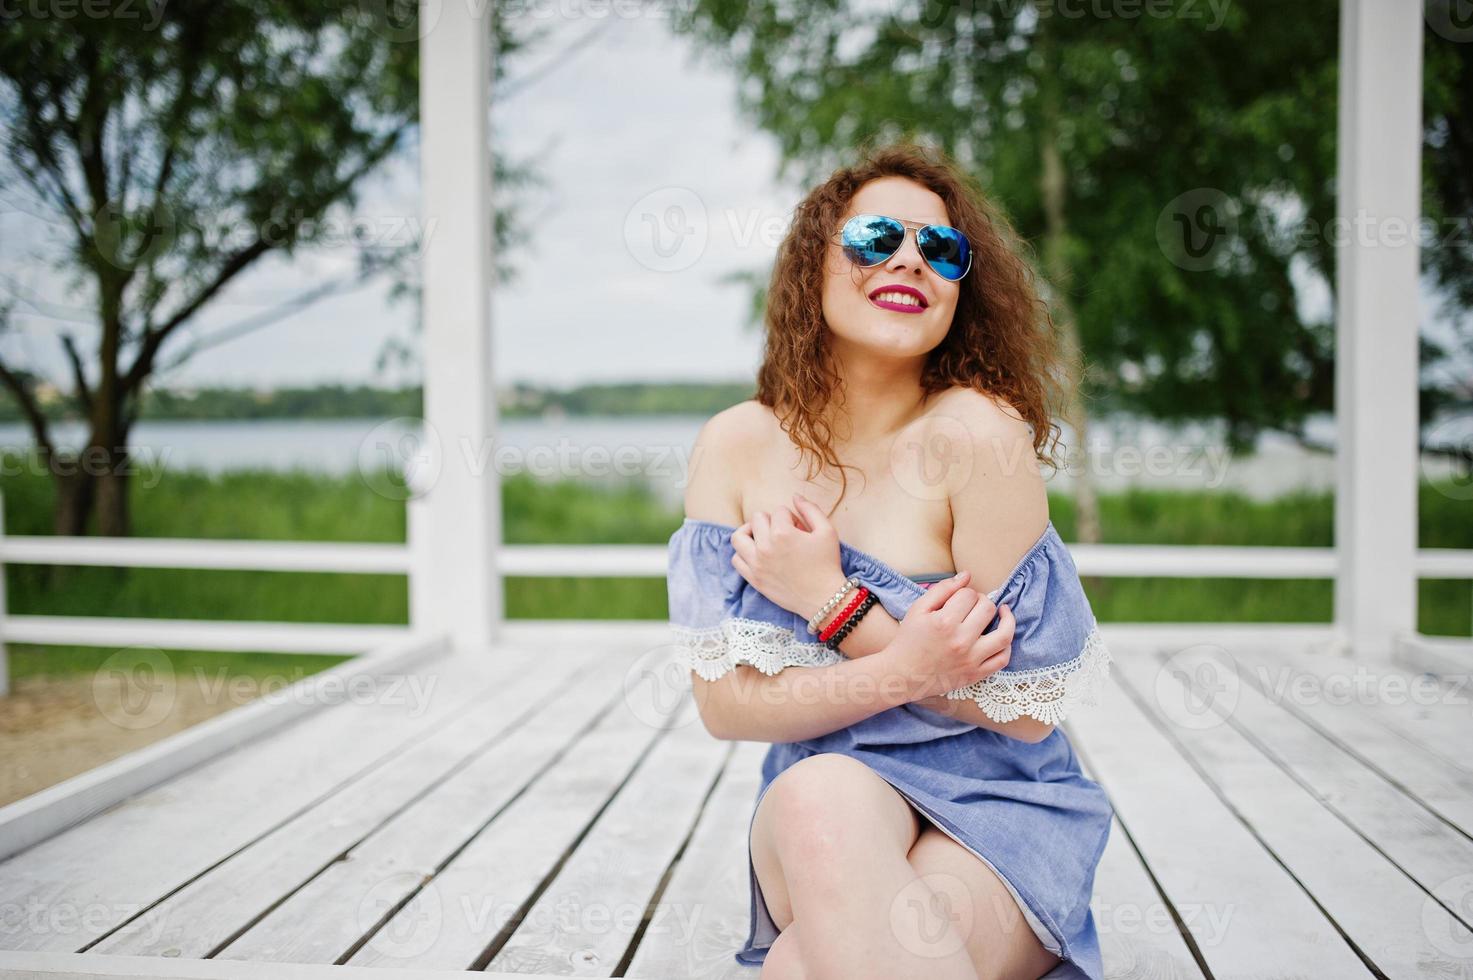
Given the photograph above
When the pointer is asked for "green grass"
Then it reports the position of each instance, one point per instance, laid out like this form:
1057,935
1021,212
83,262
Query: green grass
266,505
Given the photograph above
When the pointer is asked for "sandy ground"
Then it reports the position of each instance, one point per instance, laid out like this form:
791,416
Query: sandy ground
52,728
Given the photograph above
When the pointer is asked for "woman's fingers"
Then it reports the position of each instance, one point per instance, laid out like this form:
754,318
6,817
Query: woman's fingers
761,526
811,513
999,640
962,601
741,542
980,615
940,592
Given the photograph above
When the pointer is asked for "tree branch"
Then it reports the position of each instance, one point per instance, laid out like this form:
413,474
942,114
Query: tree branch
154,337
32,410
79,376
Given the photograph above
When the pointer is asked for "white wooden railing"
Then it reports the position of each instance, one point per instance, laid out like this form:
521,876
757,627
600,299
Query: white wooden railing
1118,561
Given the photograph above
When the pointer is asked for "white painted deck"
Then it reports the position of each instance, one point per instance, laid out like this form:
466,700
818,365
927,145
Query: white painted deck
530,818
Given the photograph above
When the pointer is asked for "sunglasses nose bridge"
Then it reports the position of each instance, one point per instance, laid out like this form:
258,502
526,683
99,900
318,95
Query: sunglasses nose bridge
909,251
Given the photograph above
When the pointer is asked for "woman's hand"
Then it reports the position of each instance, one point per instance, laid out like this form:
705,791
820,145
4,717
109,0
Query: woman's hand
791,556
940,641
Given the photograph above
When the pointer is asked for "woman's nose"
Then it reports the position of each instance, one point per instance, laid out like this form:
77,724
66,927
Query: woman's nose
908,254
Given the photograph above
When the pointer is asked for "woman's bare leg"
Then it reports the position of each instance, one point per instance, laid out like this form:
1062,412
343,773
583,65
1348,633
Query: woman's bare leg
784,959
997,936
829,845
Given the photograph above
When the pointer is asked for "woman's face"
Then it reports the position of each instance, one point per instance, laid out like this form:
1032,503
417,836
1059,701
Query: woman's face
854,298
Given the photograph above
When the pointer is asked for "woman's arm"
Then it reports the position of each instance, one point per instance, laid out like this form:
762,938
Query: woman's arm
875,632
999,506
801,702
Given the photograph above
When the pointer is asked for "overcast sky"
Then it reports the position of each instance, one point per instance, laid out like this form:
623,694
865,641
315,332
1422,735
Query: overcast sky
625,129
653,192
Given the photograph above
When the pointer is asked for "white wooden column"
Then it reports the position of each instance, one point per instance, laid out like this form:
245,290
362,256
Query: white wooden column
455,584
1376,321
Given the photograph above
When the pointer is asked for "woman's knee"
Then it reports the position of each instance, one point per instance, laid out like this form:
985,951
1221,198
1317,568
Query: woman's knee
829,803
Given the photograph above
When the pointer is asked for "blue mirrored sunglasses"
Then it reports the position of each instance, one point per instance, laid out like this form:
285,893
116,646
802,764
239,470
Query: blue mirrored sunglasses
869,239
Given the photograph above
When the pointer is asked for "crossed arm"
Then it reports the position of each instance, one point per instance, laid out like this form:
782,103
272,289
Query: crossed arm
999,508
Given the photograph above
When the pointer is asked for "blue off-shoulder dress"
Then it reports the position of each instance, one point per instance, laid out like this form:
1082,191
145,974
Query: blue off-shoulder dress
1025,808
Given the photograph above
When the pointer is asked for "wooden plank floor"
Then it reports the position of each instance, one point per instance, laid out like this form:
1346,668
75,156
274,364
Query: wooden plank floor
557,809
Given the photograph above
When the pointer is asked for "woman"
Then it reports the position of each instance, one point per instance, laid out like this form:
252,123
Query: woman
919,813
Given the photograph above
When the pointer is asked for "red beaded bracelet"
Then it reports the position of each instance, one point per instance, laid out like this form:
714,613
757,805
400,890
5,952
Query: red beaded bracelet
844,614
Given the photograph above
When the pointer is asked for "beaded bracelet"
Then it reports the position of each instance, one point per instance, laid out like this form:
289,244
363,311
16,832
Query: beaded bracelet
844,614
828,607
833,642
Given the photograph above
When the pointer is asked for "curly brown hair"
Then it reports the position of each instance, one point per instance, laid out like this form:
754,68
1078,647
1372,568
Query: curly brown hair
1002,339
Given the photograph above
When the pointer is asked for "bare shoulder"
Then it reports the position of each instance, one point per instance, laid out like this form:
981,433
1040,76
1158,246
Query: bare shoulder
991,420
725,445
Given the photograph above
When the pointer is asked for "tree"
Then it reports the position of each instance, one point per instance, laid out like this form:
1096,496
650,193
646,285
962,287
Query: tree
177,145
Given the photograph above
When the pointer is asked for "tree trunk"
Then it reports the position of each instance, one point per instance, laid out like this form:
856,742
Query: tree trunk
1053,185
114,515
75,491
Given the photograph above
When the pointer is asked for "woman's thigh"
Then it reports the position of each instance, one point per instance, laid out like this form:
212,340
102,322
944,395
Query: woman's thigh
822,791
986,916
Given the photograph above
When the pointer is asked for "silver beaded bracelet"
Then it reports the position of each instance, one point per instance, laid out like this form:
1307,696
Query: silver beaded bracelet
849,585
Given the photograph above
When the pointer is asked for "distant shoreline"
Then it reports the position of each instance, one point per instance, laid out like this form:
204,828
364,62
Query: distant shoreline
517,400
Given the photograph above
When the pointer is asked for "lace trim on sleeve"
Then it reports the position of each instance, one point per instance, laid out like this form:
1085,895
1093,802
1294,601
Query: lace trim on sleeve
714,650
1045,693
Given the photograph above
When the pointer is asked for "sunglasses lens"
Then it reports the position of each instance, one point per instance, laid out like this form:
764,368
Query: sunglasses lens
946,250
870,239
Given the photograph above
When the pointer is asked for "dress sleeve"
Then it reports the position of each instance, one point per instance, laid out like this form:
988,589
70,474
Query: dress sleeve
719,621
1058,657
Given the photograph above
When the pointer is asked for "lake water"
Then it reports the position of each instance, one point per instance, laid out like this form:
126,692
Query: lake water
655,450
